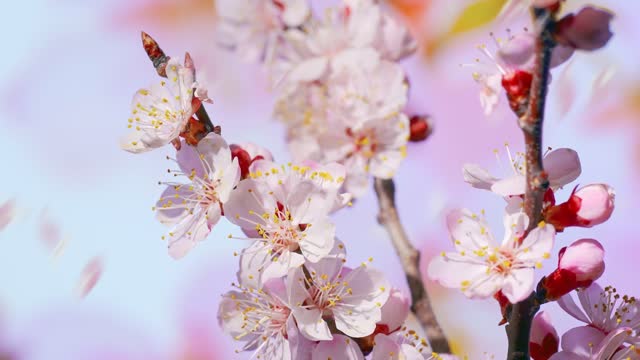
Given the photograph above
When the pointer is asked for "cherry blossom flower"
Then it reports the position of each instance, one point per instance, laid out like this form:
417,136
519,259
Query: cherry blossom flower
286,208
160,114
352,298
330,40
480,267
562,166
261,319
193,208
255,28
509,67
603,310
365,87
356,24
588,344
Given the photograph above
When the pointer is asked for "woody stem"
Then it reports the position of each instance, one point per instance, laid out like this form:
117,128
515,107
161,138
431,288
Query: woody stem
537,182
410,260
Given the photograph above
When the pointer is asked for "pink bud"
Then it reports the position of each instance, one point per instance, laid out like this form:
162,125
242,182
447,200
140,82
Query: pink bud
586,207
585,259
394,311
544,338
586,30
597,204
579,266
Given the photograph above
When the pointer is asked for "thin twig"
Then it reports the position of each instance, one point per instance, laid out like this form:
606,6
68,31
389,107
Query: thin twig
522,313
160,60
410,260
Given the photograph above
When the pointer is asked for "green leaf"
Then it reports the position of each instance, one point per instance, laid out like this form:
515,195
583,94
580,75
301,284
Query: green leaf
476,15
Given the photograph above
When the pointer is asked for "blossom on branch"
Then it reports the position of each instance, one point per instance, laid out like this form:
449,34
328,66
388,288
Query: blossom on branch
255,28
285,209
480,267
160,114
194,207
562,166
261,319
351,298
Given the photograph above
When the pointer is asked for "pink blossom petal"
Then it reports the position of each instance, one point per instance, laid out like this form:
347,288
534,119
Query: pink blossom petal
341,347
612,343
579,339
478,177
563,166
514,185
518,51
585,259
519,284
90,276
189,160
7,213
50,232
309,70
570,307
396,310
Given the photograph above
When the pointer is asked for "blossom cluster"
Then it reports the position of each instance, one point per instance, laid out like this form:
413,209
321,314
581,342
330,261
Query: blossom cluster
295,297
482,268
341,94
340,91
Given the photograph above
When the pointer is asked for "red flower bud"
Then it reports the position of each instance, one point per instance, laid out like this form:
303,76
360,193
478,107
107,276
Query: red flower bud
517,84
579,266
586,207
586,30
420,127
544,339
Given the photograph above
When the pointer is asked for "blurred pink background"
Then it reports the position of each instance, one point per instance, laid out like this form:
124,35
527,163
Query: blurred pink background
67,75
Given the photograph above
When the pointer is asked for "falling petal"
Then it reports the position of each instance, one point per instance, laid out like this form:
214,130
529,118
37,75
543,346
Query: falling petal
567,89
7,213
90,276
50,232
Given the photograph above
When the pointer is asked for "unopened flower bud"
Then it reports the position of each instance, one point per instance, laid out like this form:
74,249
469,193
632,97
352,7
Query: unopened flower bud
544,338
517,85
588,206
246,154
579,266
586,30
420,127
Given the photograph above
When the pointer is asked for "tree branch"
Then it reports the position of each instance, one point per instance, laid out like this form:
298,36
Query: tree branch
522,313
410,260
